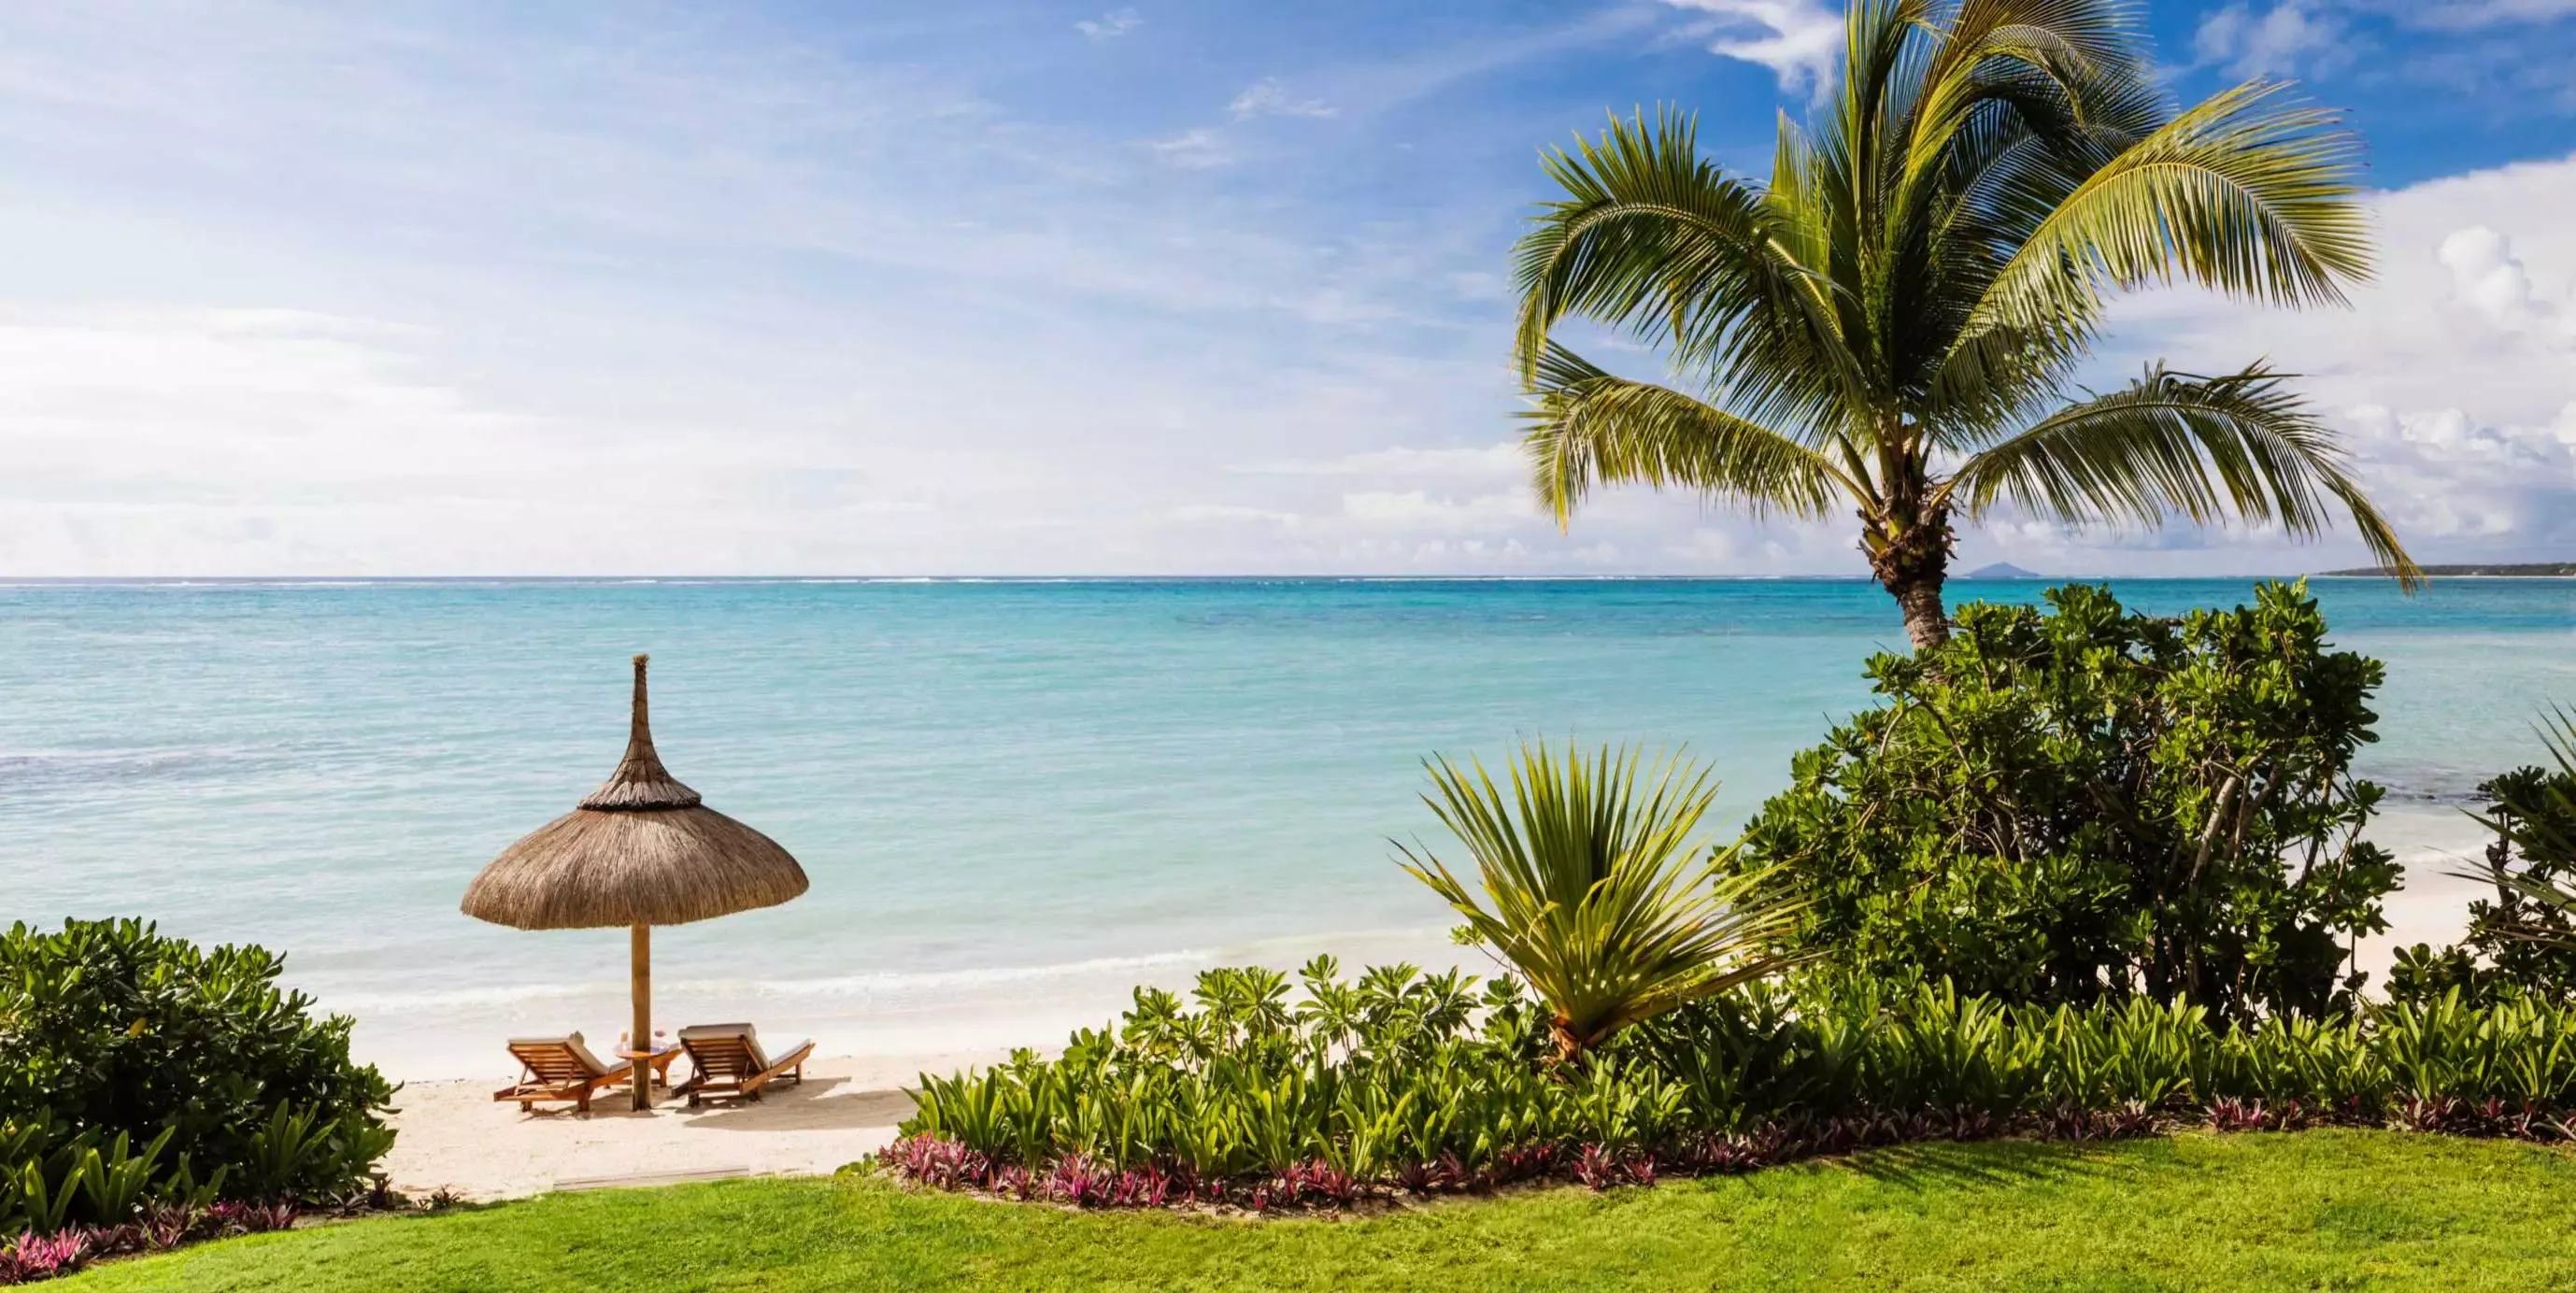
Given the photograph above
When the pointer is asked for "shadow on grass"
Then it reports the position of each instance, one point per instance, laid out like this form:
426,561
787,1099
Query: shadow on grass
1944,1164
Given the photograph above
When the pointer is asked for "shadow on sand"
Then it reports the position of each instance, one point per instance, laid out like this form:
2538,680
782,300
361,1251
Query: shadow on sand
816,1104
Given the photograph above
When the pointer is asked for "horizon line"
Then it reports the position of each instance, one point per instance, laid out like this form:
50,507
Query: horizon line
355,580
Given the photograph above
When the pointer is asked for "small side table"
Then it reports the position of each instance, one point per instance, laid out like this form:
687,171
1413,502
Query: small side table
661,1060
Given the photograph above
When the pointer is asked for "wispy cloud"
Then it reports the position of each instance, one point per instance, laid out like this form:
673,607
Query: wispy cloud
1801,41
2466,15
1496,461
2292,38
1197,149
606,294
1267,98
1111,25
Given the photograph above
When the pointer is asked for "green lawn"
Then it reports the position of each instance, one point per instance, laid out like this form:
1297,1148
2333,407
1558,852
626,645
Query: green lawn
2329,1209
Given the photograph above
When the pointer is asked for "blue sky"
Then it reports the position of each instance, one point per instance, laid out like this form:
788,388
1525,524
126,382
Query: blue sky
1055,288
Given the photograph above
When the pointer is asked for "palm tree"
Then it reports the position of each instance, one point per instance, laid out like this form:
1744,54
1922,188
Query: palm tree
1598,894
1892,321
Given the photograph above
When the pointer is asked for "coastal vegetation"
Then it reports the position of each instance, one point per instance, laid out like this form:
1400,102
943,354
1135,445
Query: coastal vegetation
2522,940
2018,979
2091,804
2085,874
2079,888
1892,322
1405,1086
156,1092
2054,935
1597,890
2256,1212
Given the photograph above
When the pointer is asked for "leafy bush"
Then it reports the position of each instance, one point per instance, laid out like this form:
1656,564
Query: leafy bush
1601,896
144,1069
2524,939
1356,1082
1406,1082
2091,804
156,1228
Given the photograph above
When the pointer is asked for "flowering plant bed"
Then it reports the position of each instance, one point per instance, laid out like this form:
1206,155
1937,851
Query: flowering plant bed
1404,1086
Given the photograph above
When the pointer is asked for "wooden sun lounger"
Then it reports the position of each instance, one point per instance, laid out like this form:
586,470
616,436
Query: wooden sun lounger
563,1069
726,1060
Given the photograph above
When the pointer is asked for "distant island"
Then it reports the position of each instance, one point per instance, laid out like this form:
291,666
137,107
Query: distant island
2534,570
2003,570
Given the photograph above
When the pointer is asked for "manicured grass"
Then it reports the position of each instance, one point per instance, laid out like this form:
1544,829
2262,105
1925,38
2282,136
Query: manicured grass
2326,1209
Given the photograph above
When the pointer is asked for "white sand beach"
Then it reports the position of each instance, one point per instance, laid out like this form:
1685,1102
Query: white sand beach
455,1137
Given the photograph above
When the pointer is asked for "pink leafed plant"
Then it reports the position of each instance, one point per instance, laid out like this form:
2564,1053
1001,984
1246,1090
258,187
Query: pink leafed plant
46,1256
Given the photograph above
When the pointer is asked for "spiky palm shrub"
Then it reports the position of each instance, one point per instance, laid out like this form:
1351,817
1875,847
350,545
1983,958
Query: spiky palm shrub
1891,322
2533,813
2523,940
1596,888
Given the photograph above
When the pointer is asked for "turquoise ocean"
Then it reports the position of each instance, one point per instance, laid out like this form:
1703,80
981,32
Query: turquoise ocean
1015,798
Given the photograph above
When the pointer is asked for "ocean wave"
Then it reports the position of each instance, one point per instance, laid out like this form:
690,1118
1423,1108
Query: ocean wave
1121,972
29,770
883,982
904,981
396,1003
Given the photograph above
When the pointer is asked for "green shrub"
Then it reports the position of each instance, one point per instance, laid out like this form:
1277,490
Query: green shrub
143,1067
2523,940
1595,886
1403,1081
1366,1076
2089,804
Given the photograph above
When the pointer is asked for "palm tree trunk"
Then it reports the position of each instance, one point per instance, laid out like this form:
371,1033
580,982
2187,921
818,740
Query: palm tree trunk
1927,622
1570,1047
1911,562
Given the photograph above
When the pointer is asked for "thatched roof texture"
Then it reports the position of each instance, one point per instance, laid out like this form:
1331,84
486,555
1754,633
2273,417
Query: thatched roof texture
640,850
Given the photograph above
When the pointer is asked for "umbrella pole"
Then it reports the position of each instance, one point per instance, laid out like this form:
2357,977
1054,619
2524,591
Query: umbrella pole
640,1042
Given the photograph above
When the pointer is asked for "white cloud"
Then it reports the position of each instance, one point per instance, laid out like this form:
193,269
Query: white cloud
1497,461
2451,378
2459,15
1801,41
622,304
1232,512
1109,26
2291,38
1200,148
1420,509
1268,98
176,440
2489,277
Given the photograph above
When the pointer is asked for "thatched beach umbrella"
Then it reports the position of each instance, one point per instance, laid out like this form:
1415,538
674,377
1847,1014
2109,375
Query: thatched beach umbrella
640,851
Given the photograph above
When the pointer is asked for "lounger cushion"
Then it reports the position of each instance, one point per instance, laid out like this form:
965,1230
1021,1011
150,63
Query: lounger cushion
569,1041
759,1055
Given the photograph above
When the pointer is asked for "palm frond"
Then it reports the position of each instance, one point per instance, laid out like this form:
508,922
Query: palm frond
2176,445
1654,239
1925,271
2248,193
1590,428
1592,884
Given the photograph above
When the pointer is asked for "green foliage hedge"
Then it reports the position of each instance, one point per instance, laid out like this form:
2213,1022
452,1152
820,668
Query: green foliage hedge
2090,804
143,1069
1402,1081
2523,940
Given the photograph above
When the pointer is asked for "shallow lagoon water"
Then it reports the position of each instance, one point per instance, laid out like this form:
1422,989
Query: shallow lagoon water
1014,798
